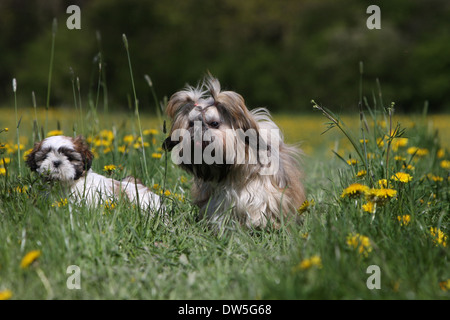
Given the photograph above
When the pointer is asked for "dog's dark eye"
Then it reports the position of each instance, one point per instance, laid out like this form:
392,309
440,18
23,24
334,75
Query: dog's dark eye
214,124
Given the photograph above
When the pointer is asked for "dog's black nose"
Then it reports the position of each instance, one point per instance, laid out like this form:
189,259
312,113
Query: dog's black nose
56,163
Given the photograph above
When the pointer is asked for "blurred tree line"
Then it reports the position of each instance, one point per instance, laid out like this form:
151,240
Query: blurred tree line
277,54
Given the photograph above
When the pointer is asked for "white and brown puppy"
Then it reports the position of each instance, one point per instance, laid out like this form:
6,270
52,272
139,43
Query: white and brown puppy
69,161
242,168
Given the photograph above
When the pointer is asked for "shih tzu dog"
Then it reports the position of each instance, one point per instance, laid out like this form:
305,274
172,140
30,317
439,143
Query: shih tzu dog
242,169
69,161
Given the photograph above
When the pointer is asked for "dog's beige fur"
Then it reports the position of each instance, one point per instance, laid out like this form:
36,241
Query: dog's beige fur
245,192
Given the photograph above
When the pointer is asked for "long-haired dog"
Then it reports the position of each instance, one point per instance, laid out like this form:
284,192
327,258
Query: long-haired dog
242,169
69,160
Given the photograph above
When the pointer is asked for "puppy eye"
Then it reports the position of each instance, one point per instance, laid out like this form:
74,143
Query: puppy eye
214,124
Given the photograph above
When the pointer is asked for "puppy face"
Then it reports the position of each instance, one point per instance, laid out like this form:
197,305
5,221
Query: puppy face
60,158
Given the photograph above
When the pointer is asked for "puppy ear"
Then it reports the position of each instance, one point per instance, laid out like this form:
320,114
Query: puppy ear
31,157
82,148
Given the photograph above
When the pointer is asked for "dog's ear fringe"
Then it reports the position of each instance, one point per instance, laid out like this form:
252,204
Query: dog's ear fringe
31,157
188,96
82,147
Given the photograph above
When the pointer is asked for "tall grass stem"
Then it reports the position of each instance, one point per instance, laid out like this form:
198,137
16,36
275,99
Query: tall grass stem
50,71
136,103
14,85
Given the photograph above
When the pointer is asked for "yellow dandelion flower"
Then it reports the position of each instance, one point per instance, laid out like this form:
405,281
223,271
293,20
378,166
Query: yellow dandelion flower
434,178
128,139
314,261
29,258
352,162
6,129
5,294
380,196
2,171
440,153
354,190
183,179
21,189
360,243
399,158
402,177
369,207
150,131
420,152
361,173
109,168
383,183
109,205
107,135
102,143
4,161
122,149
404,220
139,144
156,155
61,203
305,206
409,167
167,193
55,133
380,142
445,285
445,164
439,237
26,153
398,143
17,147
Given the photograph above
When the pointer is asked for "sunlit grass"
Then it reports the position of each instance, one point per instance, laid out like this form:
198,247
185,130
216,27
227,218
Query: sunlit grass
357,215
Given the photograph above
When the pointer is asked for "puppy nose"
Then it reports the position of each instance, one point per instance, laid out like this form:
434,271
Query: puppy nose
56,163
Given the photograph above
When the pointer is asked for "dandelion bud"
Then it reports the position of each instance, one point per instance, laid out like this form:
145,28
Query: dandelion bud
14,85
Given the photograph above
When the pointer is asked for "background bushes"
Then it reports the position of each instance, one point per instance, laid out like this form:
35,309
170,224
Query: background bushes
278,54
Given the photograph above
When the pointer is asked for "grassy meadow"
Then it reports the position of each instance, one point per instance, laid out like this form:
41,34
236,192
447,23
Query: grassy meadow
377,202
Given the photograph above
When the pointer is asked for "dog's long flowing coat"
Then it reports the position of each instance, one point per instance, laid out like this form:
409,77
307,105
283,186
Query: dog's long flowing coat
254,192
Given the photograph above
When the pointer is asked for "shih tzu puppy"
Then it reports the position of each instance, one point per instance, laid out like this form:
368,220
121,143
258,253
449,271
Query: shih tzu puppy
242,169
69,161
